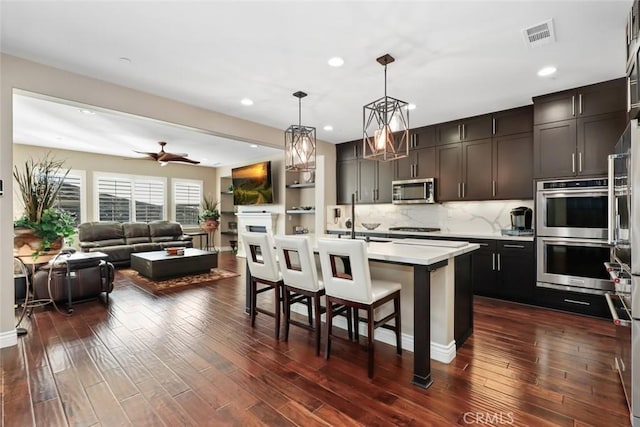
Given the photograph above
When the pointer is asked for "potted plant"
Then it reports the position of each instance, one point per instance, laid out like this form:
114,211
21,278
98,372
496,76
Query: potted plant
42,227
210,214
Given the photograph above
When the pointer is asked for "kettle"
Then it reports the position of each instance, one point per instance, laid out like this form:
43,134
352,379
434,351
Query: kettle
521,218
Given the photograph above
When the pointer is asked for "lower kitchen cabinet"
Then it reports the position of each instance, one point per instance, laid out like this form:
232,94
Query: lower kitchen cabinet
504,269
575,302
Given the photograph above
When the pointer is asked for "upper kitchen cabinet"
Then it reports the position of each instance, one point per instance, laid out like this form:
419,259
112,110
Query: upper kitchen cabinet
513,121
369,180
512,166
349,150
575,130
423,137
599,98
419,164
469,129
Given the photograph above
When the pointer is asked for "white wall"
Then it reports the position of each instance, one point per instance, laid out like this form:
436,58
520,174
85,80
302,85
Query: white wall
25,75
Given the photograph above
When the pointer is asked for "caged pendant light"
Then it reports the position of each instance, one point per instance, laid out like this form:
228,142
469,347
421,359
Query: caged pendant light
300,143
386,124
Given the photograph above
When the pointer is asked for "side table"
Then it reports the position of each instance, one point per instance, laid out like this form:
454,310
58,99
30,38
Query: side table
200,235
75,261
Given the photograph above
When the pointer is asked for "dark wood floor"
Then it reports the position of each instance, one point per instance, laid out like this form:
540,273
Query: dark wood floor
191,358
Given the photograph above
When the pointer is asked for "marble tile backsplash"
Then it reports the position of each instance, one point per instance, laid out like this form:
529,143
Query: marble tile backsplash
486,217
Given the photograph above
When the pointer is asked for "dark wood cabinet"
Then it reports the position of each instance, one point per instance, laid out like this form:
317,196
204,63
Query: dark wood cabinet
515,264
591,100
576,147
423,137
513,121
420,164
346,181
596,139
349,150
512,166
576,129
370,180
464,130
477,183
449,167
575,302
504,269
463,307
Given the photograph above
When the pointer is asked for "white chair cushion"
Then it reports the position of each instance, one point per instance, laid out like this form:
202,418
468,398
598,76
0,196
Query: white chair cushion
382,288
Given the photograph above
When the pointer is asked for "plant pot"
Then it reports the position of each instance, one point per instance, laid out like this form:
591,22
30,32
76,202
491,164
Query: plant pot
28,247
209,225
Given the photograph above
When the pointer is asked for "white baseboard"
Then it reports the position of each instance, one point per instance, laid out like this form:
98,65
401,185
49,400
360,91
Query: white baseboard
8,339
439,352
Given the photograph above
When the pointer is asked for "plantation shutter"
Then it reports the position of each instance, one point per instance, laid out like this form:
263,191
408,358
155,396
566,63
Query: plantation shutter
114,199
187,197
149,200
69,197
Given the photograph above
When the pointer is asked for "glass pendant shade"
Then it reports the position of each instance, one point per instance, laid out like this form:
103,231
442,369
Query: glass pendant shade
300,144
386,125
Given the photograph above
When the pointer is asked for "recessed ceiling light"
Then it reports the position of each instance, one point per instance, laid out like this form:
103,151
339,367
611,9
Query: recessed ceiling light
246,101
87,112
547,71
328,128
411,107
336,61
253,146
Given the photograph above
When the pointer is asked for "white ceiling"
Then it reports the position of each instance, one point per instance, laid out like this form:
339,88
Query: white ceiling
453,59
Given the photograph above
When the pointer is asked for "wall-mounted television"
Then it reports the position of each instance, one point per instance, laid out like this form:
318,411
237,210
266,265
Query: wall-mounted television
252,184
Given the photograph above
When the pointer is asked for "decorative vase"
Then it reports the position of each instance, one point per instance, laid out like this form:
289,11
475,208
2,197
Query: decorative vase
209,225
28,247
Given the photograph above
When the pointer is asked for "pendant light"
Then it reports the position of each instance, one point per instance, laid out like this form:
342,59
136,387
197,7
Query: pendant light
386,124
300,143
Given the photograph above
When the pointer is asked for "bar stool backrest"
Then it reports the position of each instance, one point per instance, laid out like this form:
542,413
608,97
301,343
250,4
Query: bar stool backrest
297,263
354,284
261,256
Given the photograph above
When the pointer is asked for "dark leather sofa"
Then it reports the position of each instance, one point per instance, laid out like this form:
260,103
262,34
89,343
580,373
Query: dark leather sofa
120,240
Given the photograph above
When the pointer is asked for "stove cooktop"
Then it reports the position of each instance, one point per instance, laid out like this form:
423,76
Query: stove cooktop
415,229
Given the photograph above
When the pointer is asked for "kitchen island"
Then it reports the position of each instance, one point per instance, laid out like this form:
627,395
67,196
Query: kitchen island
432,295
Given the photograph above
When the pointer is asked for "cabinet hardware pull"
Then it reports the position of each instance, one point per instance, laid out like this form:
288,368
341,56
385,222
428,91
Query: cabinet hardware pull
514,246
499,269
493,186
493,125
572,301
580,104
460,132
493,261
483,244
573,162
463,190
464,131
580,161
355,151
573,105
459,196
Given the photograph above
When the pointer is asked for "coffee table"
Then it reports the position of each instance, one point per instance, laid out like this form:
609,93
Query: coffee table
158,265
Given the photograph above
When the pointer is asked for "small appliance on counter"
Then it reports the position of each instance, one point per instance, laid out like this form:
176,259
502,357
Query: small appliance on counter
520,222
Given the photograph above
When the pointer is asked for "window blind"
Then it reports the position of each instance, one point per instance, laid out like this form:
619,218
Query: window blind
114,199
186,199
149,199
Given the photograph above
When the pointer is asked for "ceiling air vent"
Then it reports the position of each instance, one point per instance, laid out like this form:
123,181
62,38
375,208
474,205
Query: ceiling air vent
540,34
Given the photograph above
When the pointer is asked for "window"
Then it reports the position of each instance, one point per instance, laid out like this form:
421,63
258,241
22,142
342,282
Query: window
70,197
187,196
114,199
149,200
125,198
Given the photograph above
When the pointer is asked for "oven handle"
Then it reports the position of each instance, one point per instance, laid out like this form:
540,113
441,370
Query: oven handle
574,242
573,192
616,319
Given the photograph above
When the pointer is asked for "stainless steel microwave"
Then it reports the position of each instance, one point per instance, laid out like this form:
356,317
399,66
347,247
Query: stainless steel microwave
411,191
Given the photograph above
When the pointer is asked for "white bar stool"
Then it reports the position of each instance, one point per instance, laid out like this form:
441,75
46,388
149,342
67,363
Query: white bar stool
300,276
264,270
357,290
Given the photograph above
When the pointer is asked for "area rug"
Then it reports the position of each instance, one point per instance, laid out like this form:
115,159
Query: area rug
172,284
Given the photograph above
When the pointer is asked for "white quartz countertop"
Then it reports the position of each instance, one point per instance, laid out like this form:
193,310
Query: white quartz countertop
427,253
453,235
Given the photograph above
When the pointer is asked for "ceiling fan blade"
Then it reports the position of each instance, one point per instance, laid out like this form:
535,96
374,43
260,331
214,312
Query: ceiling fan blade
175,158
152,156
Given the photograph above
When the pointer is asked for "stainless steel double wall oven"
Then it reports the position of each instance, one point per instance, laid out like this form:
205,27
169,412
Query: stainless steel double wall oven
571,229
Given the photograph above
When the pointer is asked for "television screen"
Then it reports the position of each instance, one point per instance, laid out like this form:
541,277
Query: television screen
252,184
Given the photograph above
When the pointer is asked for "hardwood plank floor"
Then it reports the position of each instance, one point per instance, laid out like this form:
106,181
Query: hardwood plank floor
190,357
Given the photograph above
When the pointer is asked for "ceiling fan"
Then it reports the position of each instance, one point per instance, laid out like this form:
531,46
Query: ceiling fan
164,157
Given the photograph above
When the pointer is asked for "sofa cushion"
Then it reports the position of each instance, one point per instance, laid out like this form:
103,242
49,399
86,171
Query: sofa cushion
146,247
104,243
136,232
158,229
116,253
100,230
